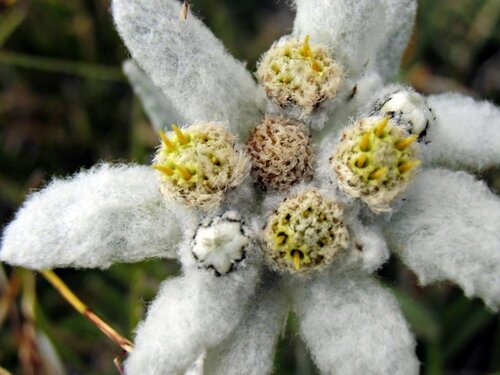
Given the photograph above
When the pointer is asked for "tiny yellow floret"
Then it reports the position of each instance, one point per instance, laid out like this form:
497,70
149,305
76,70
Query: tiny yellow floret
306,48
296,259
164,139
163,169
408,166
364,143
402,144
180,135
186,175
379,129
361,161
379,174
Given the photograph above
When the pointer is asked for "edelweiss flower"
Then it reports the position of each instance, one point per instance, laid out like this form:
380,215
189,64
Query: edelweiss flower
306,234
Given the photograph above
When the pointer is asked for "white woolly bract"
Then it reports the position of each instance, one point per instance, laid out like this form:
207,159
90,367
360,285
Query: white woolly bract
190,314
351,325
250,348
348,105
110,213
449,229
364,34
368,249
156,105
466,133
188,63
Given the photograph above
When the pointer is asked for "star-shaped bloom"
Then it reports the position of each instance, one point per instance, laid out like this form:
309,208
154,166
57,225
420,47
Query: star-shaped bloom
304,230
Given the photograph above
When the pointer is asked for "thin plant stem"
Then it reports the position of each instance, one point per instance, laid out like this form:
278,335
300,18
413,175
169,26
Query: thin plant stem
83,309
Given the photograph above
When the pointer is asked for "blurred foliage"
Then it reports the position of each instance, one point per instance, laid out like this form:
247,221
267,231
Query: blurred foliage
64,104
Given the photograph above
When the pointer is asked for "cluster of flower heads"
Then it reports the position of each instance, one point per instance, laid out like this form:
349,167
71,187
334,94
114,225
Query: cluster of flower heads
314,192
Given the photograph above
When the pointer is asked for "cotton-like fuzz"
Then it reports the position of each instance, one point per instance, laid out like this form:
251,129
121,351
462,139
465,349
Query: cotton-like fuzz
156,105
186,61
108,214
368,250
449,229
190,314
251,347
351,325
364,34
466,133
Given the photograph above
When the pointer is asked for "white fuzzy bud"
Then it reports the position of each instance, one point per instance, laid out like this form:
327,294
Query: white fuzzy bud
221,243
409,110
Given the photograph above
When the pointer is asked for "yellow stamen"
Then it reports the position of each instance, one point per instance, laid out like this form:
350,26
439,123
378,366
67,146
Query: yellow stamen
361,162
163,169
186,175
379,130
180,135
164,139
315,66
409,165
306,48
402,144
280,239
365,142
379,173
296,259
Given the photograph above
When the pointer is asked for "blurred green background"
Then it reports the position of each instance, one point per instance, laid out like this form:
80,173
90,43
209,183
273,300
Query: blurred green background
64,104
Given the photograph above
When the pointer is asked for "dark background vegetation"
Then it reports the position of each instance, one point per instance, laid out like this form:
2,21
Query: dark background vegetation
64,105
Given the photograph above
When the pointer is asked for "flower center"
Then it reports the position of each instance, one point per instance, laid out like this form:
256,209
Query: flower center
221,243
305,233
281,152
375,161
198,164
294,72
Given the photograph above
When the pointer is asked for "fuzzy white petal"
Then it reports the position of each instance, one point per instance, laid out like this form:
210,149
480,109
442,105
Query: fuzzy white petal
250,348
368,248
348,105
363,34
352,325
110,213
449,229
157,106
190,315
466,133
188,63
